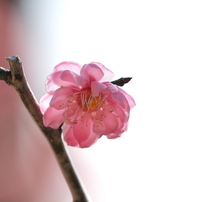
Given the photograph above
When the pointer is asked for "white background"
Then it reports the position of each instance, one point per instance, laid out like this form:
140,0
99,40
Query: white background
159,44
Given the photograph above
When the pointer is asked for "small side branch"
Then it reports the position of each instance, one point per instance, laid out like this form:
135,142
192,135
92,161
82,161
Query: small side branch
16,78
4,74
122,81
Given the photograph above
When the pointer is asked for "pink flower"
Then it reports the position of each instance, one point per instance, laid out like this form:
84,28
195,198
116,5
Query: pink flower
86,103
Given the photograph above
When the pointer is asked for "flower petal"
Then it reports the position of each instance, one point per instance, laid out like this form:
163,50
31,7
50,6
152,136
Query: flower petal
122,117
69,76
108,75
122,128
69,136
110,123
121,113
114,135
44,102
111,87
60,98
129,98
96,88
54,81
53,118
105,122
118,93
72,66
83,132
121,100
91,72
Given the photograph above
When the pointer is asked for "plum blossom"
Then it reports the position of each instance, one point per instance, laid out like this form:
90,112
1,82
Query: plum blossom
85,103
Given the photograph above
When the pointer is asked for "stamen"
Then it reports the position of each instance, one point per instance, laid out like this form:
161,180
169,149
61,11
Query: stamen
81,104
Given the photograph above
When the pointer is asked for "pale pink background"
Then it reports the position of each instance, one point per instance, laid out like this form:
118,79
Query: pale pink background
28,169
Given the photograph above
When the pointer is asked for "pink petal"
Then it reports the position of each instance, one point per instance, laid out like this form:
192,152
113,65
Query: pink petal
69,136
119,96
63,78
91,72
129,98
44,102
120,99
118,132
114,135
60,98
53,118
96,88
109,122
111,87
98,128
108,75
121,113
72,66
53,81
83,132
72,77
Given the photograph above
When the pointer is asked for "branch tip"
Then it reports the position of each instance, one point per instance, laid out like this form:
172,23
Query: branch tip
12,58
121,81
4,73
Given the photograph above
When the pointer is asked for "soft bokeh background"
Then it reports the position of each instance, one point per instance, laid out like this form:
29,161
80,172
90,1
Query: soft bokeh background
159,44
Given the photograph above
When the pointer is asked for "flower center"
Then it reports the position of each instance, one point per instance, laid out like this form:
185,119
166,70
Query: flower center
80,104
88,103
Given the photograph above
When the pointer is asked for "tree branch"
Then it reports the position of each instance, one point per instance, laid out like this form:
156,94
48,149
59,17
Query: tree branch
16,78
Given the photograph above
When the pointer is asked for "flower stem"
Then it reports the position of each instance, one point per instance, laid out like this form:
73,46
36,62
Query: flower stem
16,78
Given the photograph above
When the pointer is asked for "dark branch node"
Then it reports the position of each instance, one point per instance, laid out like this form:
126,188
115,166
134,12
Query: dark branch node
18,77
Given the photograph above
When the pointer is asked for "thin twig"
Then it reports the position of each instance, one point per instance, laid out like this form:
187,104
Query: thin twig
122,81
16,78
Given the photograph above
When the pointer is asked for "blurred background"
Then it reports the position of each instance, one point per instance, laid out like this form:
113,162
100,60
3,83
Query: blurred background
159,44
